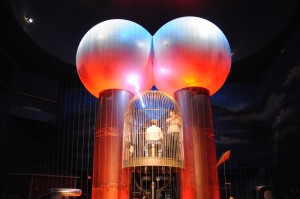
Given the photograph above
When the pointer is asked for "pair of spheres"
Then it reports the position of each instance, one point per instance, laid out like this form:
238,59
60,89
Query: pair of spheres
185,52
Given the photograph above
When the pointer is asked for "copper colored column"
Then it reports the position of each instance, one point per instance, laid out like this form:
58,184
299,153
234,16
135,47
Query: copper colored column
109,180
199,178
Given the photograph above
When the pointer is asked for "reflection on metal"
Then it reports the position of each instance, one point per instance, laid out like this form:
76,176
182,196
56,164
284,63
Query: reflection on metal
153,131
153,161
59,193
154,182
109,179
199,179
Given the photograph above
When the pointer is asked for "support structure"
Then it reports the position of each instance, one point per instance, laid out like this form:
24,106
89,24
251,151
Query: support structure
153,145
199,178
109,179
187,51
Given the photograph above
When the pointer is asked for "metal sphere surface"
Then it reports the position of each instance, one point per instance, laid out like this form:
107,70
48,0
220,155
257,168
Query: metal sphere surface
189,52
115,54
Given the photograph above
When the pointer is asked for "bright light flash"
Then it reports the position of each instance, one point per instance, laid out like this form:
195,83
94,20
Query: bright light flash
133,80
28,19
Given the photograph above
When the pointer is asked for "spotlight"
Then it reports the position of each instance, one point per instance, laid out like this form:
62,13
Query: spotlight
28,19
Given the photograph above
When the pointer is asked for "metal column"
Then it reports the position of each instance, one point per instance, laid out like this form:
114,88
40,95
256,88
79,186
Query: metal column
109,179
199,178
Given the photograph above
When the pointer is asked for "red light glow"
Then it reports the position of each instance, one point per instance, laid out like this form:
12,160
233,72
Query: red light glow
115,54
195,53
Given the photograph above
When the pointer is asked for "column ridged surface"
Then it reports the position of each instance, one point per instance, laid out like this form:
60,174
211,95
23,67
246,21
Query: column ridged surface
199,178
110,181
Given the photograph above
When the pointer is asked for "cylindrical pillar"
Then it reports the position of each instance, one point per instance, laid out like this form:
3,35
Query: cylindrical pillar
199,178
109,180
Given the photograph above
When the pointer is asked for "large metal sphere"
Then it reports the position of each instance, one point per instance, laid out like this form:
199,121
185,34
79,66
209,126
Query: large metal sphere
115,54
190,51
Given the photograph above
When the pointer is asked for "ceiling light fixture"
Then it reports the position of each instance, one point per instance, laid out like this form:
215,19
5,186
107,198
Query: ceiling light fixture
28,19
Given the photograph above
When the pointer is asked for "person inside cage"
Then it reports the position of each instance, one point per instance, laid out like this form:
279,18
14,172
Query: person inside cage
154,136
172,136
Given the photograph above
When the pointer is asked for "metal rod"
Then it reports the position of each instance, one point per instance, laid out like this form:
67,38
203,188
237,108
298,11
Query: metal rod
153,186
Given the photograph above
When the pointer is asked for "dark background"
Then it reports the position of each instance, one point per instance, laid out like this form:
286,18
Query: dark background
47,117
